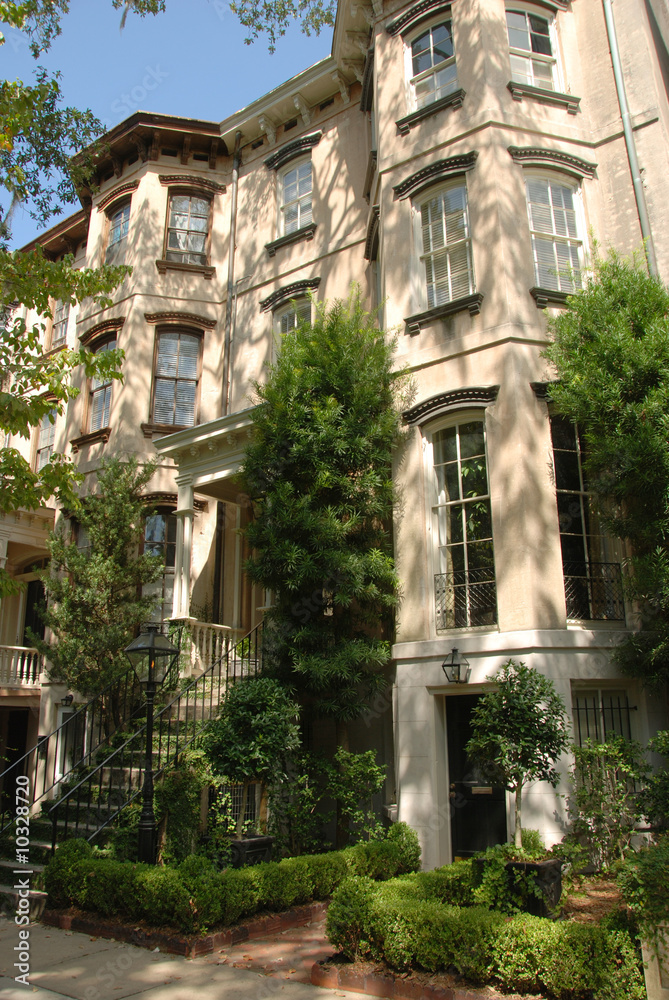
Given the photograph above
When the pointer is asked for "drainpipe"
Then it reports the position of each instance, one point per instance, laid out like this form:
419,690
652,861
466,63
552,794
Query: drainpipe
639,193
231,277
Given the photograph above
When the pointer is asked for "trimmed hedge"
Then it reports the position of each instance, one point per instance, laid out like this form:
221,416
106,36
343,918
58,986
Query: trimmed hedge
408,923
195,895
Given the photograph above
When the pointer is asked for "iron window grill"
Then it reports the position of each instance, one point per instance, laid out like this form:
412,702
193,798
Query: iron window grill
465,598
594,592
600,714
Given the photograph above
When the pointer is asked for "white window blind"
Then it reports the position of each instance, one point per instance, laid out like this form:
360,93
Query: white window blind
555,244
446,245
176,379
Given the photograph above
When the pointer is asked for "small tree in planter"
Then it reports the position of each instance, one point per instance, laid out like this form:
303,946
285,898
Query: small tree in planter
255,730
519,731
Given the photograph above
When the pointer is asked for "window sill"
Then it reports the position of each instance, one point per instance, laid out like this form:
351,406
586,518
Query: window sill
567,101
470,302
173,265
305,233
100,435
549,296
148,430
454,100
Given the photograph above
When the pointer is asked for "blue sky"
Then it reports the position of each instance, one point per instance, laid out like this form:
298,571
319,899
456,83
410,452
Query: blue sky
189,61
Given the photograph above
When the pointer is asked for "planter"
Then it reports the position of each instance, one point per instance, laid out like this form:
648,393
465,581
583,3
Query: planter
547,876
251,850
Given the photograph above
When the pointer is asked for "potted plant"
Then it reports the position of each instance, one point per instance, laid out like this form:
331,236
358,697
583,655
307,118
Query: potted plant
519,730
256,728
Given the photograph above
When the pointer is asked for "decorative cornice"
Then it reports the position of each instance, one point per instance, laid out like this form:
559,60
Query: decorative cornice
184,180
372,232
411,17
122,189
106,326
180,317
472,303
305,233
293,150
568,101
454,100
206,270
92,438
444,401
542,390
532,156
367,94
297,290
434,173
545,296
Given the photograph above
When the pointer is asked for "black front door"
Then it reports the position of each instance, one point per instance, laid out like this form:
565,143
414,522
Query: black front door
478,810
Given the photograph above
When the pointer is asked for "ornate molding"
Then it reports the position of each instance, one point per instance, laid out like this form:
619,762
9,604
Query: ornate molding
367,94
372,232
92,438
343,87
411,17
533,156
567,101
206,270
472,303
106,326
542,390
548,296
305,233
183,180
118,191
180,317
292,150
454,100
434,406
268,127
303,108
297,290
434,173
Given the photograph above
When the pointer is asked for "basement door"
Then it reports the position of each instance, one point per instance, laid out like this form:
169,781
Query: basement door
478,810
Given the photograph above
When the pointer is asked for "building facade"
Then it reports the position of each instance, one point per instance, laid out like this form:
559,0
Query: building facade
457,161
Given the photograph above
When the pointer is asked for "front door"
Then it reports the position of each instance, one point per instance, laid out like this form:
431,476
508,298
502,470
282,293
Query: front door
478,810
35,608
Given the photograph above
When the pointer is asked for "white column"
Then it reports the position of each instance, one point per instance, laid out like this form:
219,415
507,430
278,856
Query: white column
184,513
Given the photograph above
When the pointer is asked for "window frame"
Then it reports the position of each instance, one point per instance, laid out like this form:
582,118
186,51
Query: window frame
596,714
298,307
191,332
444,18
566,182
190,193
59,324
421,199
47,446
534,10
106,343
116,248
294,165
455,418
168,576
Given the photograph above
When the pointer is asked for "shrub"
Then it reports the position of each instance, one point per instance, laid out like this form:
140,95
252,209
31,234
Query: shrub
349,916
59,876
327,872
406,840
643,882
451,884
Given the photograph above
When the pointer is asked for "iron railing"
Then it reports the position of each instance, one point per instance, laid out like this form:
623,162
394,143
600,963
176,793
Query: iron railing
594,591
465,598
115,782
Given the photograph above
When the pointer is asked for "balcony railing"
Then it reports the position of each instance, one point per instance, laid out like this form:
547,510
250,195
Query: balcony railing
203,643
20,666
594,592
465,599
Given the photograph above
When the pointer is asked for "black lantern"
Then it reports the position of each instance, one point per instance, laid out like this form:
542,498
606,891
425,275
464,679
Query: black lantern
456,668
152,657
67,700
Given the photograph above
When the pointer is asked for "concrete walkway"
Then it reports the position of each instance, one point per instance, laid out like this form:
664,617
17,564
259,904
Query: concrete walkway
69,964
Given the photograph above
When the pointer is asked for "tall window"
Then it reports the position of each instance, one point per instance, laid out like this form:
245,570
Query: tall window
187,229
61,317
176,378
590,561
445,240
295,197
433,72
465,590
100,394
118,232
45,438
288,318
553,217
532,49
160,538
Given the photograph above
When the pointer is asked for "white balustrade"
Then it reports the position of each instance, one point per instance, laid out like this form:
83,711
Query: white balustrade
208,643
20,666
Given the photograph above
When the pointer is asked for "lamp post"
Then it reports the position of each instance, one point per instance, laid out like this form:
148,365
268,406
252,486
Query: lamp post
456,668
151,656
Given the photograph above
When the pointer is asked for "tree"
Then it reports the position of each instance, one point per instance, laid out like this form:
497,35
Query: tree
319,476
519,731
611,357
94,583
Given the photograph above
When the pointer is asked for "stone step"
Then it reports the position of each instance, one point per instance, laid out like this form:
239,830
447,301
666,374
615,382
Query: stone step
9,901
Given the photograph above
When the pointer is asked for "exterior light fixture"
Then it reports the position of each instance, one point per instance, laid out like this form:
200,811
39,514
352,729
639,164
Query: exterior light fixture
67,700
456,668
152,656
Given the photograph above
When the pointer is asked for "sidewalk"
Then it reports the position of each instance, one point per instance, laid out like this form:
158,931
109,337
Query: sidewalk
67,964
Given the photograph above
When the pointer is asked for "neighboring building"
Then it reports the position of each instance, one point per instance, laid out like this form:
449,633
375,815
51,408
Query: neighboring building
456,161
